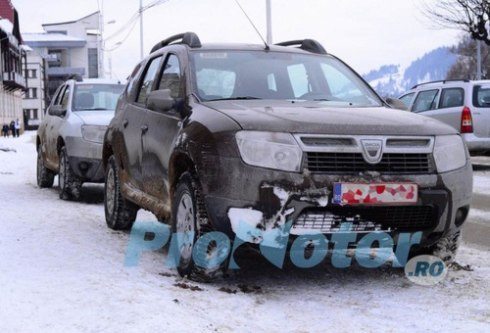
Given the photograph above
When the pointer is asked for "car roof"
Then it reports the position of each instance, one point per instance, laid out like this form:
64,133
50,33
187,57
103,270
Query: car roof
247,47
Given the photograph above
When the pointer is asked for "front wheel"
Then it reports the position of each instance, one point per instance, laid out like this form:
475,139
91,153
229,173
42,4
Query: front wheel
120,213
186,211
69,185
45,177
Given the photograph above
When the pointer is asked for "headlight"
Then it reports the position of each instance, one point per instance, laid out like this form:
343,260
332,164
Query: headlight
94,133
270,150
449,153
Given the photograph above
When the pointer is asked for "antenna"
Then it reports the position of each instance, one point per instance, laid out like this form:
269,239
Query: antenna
267,48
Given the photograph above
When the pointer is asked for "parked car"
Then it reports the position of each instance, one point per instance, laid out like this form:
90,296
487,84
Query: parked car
209,136
69,139
462,104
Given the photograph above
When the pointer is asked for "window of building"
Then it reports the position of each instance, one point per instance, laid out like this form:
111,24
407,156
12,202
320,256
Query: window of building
32,73
93,63
35,114
31,93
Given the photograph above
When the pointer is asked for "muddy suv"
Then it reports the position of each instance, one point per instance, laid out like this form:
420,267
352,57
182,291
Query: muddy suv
241,138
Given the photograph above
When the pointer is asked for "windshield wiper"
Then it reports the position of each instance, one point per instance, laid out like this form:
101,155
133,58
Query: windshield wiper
234,98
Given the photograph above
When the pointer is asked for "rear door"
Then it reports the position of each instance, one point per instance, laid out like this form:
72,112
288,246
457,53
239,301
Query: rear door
163,128
481,110
134,126
53,129
451,106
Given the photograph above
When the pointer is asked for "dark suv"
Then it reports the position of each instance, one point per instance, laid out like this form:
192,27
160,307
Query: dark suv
242,138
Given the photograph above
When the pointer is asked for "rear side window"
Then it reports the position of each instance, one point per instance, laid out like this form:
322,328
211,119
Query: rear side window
451,98
147,83
407,99
66,96
426,101
481,97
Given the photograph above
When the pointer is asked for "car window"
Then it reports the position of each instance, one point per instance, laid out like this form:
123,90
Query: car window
299,80
216,83
94,97
451,98
481,97
171,77
58,95
407,99
278,76
426,100
66,97
149,78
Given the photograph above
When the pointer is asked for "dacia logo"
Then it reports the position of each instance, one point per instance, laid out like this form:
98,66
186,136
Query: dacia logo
372,151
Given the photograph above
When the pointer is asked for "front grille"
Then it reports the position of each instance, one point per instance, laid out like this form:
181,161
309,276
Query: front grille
354,163
366,219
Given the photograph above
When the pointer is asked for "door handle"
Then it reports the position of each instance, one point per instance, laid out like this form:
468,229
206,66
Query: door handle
125,123
144,129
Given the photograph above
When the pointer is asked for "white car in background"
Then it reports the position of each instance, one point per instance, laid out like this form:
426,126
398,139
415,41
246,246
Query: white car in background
69,139
462,104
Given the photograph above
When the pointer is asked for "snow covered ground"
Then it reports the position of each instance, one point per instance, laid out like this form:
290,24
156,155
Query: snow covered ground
61,269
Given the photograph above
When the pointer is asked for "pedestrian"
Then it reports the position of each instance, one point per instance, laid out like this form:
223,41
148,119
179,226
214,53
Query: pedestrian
17,127
12,128
5,130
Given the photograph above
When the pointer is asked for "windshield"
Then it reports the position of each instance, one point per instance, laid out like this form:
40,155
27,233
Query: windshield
222,75
91,97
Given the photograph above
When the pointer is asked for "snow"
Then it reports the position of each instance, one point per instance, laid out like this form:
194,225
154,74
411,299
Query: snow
49,37
481,183
6,26
63,270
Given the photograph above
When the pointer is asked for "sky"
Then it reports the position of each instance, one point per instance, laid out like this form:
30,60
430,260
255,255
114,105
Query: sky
365,33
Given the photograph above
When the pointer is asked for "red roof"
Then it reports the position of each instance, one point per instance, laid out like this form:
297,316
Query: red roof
7,10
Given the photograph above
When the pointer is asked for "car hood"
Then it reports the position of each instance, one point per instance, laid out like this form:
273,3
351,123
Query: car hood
320,118
102,118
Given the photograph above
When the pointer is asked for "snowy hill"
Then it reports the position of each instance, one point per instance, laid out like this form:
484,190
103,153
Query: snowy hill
393,80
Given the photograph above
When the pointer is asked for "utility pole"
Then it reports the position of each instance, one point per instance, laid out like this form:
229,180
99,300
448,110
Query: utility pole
141,30
478,60
269,21
100,51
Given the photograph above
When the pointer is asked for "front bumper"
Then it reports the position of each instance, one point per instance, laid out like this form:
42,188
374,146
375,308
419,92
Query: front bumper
243,186
85,159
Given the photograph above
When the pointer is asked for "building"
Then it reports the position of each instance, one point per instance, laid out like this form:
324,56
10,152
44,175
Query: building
70,49
12,64
34,102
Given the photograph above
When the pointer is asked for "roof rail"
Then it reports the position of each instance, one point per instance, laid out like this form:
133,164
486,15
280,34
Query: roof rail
439,81
188,38
309,45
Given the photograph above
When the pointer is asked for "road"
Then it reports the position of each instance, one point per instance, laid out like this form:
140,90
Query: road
62,270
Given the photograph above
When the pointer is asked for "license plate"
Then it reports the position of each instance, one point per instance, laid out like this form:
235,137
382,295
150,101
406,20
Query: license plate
375,194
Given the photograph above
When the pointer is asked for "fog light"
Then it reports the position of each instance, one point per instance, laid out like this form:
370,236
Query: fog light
461,216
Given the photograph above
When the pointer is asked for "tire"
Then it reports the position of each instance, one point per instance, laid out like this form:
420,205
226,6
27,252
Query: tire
187,209
120,213
45,177
445,249
69,184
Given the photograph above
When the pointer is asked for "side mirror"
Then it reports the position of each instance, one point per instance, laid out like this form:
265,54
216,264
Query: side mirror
160,100
57,110
395,103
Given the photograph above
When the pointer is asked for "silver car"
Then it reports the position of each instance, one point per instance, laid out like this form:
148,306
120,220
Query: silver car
464,105
69,139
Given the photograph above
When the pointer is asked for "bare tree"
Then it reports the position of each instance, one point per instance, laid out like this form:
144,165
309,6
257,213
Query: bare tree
472,16
465,66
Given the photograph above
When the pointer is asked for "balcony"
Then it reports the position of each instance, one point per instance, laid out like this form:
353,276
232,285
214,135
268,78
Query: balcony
14,81
65,71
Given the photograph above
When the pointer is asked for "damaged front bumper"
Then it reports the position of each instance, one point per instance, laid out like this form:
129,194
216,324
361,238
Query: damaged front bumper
270,199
